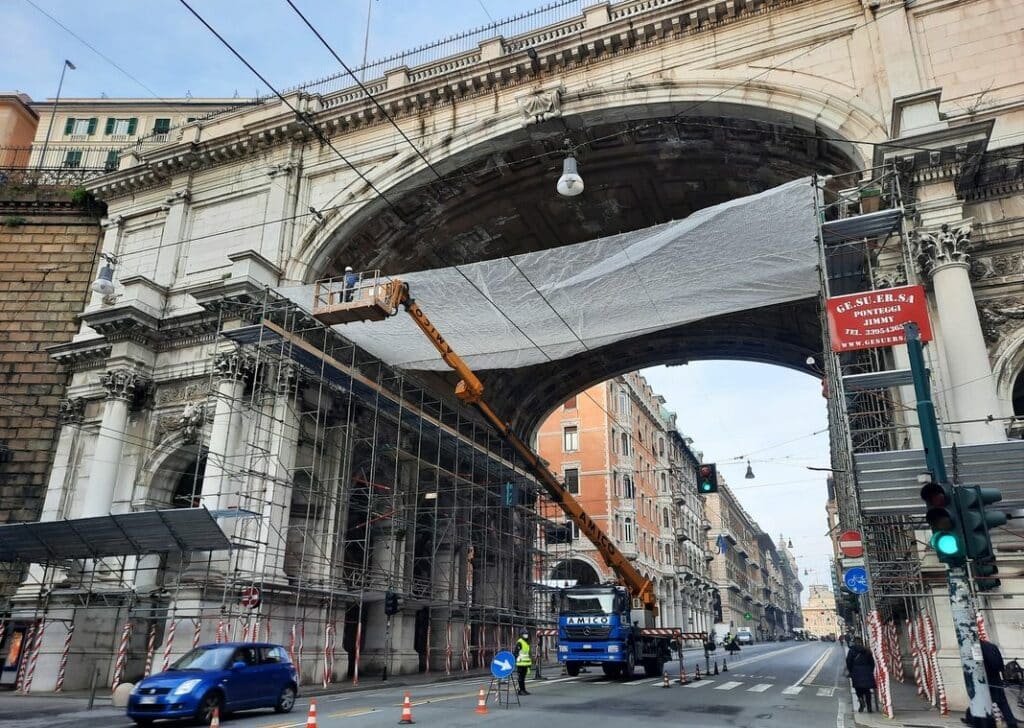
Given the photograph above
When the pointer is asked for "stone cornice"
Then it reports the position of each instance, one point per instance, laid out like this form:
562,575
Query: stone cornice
604,31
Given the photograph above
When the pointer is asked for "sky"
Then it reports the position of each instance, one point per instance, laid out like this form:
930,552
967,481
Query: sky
733,410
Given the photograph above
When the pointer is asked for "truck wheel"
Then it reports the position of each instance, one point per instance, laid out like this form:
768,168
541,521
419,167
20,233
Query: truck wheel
629,668
572,668
611,670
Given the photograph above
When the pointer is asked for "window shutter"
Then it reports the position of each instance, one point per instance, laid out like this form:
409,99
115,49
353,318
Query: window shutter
92,126
69,125
109,128
133,123
162,126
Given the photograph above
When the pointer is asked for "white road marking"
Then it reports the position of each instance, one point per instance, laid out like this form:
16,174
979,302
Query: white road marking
826,692
728,686
759,688
792,690
816,666
699,684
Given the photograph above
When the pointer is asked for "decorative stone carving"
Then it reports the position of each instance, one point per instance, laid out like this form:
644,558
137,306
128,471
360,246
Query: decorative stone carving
124,384
540,105
1000,316
117,221
997,266
942,247
890,277
233,365
182,391
72,411
189,423
184,195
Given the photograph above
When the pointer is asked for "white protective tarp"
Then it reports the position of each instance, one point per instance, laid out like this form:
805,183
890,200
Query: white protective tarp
744,254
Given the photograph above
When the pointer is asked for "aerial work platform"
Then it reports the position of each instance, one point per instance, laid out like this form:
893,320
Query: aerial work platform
342,300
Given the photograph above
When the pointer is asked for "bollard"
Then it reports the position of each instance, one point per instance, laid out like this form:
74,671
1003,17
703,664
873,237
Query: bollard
725,667
716,667
696,674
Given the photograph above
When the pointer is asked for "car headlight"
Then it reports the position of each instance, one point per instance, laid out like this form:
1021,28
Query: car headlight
563,648
186,687
613,648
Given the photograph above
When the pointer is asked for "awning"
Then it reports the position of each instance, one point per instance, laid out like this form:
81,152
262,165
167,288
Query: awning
125,534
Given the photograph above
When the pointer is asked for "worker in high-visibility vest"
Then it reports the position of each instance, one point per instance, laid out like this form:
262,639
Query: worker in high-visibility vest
523,661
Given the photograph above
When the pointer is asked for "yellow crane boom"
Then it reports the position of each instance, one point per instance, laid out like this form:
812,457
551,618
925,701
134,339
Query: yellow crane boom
337,302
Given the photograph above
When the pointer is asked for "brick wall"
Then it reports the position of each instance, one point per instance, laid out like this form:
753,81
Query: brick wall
48,249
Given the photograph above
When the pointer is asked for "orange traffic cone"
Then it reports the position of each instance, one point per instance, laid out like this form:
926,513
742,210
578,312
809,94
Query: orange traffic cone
311,718
481,703
406,711
682,675
664,680
215,721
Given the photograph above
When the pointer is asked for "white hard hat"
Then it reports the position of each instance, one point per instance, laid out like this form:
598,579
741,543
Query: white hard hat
348,269
524,633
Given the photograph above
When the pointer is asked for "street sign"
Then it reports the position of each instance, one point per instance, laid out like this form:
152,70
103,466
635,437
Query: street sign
748,615
851,544
503,664
856,580
250,597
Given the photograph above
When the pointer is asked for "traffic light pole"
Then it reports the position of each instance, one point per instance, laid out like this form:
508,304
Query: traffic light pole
960,601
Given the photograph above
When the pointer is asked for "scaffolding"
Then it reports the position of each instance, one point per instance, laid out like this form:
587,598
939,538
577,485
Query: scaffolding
338,480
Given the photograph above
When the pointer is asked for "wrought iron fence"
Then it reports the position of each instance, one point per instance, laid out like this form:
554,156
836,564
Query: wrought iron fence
30,177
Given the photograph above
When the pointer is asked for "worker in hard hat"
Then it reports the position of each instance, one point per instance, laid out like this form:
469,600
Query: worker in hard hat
350,281
523,661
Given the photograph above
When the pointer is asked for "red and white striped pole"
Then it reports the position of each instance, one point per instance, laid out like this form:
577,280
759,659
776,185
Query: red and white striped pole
982,633
197,632
427,670
359,640
219,637
150,649
3,632
302,642
448,650
63,667
169,645
465,648
27,638
291,648
328,672
37,645
122,654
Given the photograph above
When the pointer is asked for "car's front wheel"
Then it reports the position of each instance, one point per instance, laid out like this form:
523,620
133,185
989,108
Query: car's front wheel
212,702
286,700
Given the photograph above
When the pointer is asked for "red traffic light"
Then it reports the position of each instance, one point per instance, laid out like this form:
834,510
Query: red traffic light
935,496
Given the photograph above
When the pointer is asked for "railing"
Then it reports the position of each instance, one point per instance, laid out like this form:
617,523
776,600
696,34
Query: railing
59,155
26,178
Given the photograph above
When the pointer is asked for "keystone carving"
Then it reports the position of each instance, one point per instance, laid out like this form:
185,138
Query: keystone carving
942,247
540,105
189,422
124,384
999,317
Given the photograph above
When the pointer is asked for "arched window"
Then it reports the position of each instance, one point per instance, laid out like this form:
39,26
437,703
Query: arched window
625,443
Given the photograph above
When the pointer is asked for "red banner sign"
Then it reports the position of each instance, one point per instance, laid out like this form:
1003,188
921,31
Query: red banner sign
875,318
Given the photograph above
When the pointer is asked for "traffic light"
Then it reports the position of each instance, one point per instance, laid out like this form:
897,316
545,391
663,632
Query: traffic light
947,538
707,479
390,603
976,522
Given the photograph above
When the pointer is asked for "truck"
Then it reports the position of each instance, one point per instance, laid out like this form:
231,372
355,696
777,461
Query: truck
611,625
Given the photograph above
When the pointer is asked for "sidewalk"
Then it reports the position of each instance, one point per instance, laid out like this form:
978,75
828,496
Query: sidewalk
910,710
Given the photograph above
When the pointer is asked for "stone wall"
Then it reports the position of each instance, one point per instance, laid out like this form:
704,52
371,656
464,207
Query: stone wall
48,249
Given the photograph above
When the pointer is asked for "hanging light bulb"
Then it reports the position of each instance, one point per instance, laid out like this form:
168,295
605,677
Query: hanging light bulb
570,183
750,472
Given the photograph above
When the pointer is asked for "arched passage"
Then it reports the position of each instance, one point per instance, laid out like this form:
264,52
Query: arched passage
576,570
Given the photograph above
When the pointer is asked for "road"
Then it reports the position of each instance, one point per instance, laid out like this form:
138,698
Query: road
786,685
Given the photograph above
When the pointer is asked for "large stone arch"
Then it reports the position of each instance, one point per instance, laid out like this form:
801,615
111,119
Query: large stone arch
1008,370
579,567
808,107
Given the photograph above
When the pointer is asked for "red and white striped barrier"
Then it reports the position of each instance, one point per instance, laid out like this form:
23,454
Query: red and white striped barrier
465,648
26,642
245,629
940,688
427,670
33,656
220,635
291,648
877,636
328,673
196,632
122,654
359,640
3,631
448,650
301,646
150,649
62,668
982,632
169,645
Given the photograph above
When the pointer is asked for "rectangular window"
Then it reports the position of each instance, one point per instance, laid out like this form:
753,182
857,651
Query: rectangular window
110,163
623,403
80,127
161,126
625,443
571,439
121,127
570,403
73,158
571,477
575,532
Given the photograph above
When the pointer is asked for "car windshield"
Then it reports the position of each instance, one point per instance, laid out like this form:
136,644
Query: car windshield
587,603
204,658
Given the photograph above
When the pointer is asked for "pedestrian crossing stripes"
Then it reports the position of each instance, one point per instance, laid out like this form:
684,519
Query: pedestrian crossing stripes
793,690
750,686
699,684
826,692
759,688
728,686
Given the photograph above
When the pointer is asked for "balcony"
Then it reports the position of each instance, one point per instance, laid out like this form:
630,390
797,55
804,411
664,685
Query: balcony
705,525
681,535
628,550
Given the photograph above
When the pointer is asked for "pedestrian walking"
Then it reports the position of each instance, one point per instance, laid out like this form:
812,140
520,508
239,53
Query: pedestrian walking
350,282
994,669
523,661
860,668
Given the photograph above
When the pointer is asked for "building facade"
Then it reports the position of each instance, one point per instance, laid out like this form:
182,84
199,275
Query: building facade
820,617
18,122
618,450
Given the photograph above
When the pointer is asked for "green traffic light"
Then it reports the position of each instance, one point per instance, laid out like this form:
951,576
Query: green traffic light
705,487
947,544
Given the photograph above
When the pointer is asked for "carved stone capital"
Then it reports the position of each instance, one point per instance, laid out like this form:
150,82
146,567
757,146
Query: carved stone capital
72,411
942,247
540,105
889,277
283,168
234,366
184,195
123,384
288,379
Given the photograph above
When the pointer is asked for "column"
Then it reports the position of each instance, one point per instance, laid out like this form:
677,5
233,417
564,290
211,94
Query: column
121,386
943,255
232,370
281,204
284,435
167,256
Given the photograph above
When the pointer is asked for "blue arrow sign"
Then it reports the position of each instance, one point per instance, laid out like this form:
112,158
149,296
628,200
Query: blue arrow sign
856,580
503,664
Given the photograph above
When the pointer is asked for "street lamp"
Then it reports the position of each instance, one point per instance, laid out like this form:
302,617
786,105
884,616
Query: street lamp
570,183
53,114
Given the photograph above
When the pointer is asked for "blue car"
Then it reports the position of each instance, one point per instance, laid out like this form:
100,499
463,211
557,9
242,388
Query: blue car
227,677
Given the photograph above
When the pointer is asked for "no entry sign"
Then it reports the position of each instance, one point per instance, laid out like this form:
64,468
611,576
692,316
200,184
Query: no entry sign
850,544
250,597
